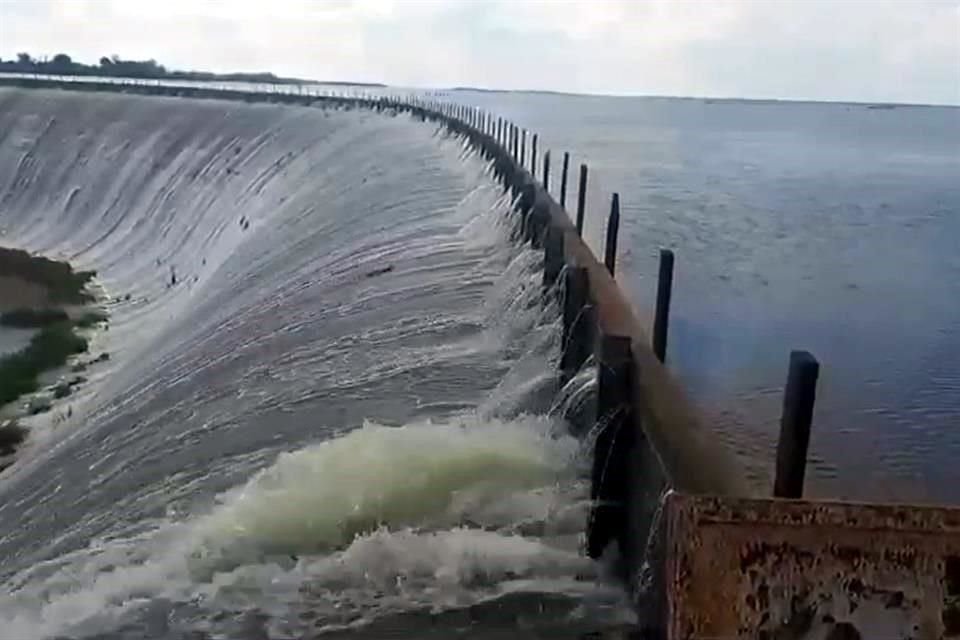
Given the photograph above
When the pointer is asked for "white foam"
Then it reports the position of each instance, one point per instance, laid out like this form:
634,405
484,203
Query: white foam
320,497
381,519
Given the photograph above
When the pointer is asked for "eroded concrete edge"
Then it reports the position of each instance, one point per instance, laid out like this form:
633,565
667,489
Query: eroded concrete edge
755,568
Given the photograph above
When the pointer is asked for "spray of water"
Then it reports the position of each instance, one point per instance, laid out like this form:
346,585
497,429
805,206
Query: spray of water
414,510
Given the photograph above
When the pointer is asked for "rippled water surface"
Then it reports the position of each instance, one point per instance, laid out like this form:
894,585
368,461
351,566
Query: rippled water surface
828,227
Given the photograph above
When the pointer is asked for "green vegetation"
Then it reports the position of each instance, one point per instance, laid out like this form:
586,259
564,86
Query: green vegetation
114,66
54,342
64,285
30,318
48,349
11,435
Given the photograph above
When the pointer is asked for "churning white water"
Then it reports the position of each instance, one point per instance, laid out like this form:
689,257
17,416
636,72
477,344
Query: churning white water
378,520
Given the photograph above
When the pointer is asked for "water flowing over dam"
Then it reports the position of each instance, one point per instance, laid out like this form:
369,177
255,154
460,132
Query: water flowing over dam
330,398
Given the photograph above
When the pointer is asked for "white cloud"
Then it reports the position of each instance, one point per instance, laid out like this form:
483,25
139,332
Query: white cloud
853,49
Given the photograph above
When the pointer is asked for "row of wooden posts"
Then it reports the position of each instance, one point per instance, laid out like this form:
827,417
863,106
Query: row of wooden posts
803,372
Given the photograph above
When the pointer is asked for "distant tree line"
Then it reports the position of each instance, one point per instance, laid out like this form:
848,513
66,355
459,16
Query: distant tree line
62,64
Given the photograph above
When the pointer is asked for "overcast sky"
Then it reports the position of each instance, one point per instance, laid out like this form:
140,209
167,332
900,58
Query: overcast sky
870,50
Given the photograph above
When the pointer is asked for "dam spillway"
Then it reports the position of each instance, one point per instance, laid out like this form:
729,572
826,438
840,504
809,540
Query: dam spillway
284,345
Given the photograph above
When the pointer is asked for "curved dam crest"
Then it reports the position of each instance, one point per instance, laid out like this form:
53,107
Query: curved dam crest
306,287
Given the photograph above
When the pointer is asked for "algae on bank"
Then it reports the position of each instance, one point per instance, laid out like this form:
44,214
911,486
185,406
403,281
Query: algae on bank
57,314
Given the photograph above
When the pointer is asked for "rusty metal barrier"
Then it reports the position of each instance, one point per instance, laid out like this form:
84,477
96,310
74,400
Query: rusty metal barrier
778,569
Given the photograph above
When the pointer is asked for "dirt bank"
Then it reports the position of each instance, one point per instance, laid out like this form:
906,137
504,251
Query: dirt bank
46,296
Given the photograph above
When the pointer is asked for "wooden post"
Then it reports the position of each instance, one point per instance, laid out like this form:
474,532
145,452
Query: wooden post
563,179
553,255
577,322
533,155
546,171
613,228
661,318
608,491
798,399
581,199
523,147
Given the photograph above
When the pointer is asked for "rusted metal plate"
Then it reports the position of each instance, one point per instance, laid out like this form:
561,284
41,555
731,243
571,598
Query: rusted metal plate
778,569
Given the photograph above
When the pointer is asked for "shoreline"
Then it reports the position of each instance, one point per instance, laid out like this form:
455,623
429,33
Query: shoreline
51,300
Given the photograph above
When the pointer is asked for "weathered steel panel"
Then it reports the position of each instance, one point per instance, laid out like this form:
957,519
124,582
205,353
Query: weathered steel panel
779,569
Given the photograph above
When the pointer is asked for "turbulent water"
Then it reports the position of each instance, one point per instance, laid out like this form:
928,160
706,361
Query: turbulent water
828,227
326,408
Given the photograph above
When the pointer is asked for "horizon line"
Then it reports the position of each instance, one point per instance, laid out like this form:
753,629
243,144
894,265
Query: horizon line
577,94
590,94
